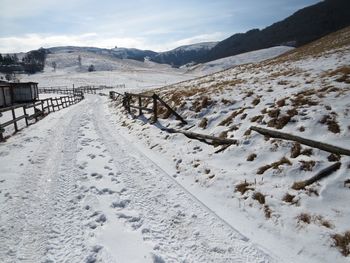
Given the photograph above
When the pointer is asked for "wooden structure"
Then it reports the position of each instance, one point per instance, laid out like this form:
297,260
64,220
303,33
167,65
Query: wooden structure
142,101
38,110
15,93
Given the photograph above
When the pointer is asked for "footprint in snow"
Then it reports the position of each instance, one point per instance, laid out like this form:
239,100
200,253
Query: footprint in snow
92,156
97,176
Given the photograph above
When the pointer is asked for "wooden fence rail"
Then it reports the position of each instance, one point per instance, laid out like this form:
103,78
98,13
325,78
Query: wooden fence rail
41,109
142,101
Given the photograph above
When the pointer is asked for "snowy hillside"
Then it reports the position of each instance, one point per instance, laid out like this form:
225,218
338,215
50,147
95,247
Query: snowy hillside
253,185
249,57
108,71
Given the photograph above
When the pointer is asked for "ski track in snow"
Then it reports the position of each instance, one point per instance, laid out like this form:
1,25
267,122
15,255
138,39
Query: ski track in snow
86,193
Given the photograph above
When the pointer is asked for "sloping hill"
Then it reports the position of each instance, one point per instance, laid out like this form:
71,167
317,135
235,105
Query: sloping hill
302,27
304,92
184,54
244,58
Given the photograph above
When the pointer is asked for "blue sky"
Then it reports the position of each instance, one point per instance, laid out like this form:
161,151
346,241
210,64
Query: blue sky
158,25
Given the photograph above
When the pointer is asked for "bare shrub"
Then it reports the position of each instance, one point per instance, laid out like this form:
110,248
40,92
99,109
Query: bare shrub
267,211
274,113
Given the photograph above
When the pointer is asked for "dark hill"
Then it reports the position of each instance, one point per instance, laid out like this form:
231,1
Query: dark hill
304,26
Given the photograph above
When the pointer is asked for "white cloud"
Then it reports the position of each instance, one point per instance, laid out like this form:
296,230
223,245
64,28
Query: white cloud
34,41
199,38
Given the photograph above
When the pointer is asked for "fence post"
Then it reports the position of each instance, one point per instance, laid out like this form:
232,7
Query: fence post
14,119
155,109
53,108
140,105
25,113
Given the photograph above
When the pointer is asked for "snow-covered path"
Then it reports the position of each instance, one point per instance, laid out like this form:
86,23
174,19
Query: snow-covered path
74,190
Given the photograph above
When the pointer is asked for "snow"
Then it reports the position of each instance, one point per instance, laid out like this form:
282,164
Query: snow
92,183
90,195
244,58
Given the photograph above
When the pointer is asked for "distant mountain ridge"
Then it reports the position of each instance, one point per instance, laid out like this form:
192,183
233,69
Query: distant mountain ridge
304,26
184,54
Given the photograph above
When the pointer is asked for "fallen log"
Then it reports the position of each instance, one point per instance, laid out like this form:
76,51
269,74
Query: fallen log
315,144
322,174
203,137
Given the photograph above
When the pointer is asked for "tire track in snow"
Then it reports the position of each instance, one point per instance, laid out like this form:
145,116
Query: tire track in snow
181,228
41,220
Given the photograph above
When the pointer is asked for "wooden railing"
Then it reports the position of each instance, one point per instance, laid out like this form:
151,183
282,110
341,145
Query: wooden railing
140,102
40,108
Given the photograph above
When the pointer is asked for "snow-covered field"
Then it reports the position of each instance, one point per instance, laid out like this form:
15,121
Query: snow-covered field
89,195
92,184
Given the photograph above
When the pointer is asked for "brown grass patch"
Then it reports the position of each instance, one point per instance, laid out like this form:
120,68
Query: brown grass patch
296,150
203,124
279,123
267,211
243,187
288,198
307,165
304,217
256,101
259,197
342,241
251,157
331,122
257,118
347,183
281,103
273,113
230,118
334,157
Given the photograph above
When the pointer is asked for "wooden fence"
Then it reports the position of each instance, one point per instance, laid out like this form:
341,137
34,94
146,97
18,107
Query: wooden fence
84,89
41,108
140,102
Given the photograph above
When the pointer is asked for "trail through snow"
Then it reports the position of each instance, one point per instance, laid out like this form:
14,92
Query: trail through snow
74,190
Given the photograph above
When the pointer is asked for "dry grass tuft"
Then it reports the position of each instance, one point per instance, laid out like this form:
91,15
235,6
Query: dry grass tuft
331,122
243,187
281,103
230,118
251,157
267,211
334,157
288,198
259,197
347,183
273,113
307,165
279,123
304,217
296,150
257,118
256,101
342,241
299,185
203,124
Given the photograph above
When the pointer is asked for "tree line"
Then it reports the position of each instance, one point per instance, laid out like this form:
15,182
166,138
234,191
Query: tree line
32,62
